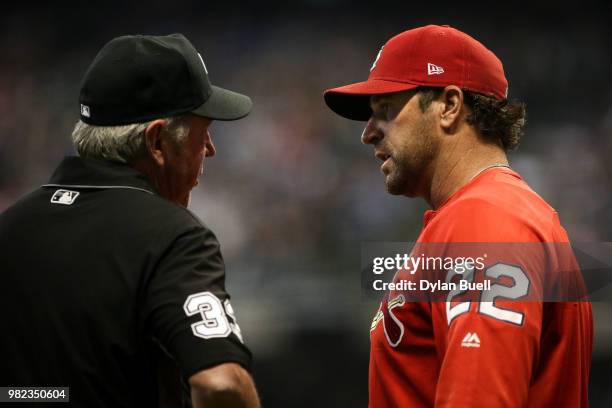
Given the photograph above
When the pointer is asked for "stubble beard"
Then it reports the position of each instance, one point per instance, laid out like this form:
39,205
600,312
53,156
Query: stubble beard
400,179
405,176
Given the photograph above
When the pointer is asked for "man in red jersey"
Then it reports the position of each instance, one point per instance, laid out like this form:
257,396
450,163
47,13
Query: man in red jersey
438,117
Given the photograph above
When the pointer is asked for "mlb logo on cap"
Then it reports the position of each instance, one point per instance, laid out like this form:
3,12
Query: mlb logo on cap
85,111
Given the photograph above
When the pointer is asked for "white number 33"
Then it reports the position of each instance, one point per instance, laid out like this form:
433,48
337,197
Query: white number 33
218,319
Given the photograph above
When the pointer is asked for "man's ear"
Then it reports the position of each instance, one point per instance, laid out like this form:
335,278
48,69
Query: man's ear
452,100
153,141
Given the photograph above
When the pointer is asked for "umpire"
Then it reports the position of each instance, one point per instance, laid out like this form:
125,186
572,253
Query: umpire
108,282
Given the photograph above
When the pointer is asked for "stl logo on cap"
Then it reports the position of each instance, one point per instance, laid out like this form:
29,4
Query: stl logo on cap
377,58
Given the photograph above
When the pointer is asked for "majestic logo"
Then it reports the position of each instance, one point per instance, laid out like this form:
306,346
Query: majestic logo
470,340
65,197
433,69
377,58
85,111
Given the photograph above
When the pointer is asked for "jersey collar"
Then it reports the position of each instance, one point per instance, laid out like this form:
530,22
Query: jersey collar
479,178
80,172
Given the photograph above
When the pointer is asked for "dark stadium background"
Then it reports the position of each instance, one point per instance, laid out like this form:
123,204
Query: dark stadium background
292,193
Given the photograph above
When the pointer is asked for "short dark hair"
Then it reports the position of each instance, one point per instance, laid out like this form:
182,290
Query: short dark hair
494,119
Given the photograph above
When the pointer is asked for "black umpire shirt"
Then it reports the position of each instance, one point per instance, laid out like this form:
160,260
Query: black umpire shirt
98,274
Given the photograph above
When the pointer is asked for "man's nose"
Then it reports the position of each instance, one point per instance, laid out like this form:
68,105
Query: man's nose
209,145
371,133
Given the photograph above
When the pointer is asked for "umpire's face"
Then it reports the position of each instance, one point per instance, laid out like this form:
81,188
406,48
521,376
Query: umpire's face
176,167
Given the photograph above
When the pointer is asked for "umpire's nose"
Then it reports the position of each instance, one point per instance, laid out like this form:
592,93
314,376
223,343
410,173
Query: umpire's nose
209,145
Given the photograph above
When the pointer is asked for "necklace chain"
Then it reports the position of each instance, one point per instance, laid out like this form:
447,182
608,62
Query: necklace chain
489,167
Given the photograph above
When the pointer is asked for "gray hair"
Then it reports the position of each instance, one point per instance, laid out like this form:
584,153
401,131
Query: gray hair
120,143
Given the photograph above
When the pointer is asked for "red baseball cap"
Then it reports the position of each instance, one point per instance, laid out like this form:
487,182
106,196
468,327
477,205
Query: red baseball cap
432,56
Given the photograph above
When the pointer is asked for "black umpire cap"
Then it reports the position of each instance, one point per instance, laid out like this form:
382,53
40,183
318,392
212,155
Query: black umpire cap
137,78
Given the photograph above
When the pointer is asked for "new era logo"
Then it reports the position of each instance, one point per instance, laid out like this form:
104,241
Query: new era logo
470,340
65,197
433,69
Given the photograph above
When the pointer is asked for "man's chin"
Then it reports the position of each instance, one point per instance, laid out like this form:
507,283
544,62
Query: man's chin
393,187
393,191
397,187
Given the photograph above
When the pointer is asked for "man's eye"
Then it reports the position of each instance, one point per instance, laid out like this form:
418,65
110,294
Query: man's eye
382,111
388,112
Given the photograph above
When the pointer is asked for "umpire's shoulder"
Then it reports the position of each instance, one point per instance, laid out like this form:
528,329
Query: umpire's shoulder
151,209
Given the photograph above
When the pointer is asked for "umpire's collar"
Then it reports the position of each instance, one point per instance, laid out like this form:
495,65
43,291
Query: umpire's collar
80,172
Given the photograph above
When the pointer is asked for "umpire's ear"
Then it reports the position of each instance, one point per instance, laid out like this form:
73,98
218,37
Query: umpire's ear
153,141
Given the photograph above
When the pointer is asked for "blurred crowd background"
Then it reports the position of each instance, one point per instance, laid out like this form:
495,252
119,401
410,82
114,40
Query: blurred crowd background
292,193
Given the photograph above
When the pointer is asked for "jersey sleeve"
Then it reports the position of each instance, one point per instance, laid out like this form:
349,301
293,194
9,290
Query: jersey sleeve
489,344
187,308
488,362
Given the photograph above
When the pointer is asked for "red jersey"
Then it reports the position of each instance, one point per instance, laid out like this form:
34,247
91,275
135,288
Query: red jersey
485,354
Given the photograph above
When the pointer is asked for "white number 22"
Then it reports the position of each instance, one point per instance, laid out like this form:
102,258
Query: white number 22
487,305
